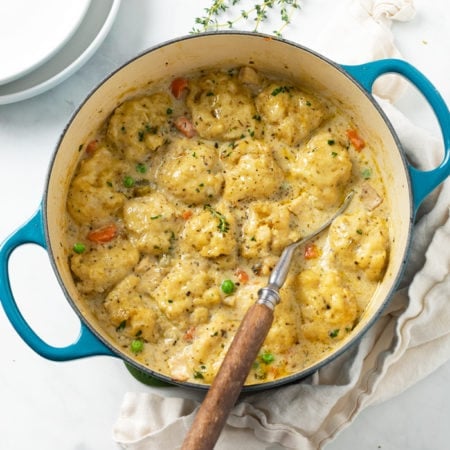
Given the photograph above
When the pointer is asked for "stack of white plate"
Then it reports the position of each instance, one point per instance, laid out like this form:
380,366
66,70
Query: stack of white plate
44,42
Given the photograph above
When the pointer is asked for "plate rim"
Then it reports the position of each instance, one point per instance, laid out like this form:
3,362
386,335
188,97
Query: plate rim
77,62
52,49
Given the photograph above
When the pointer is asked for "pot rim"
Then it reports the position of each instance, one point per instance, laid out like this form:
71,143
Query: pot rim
299,376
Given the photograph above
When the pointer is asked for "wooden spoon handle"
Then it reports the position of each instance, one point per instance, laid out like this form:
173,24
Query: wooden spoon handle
227,384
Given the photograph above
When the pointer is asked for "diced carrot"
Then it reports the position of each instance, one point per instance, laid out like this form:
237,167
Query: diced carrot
178,86
189,335
187,214
103,234
311,251
356,140
184,125
275,371
92,146
242,275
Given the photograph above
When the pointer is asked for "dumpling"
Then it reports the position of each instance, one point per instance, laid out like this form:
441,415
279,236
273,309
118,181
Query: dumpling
103,266
221,107
290,115
251,172
190,171
360,242
139,126
92,196
152,223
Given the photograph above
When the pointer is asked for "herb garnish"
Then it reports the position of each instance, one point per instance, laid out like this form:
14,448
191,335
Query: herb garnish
122,325
214,18
334,333
281,89
141,168
223,225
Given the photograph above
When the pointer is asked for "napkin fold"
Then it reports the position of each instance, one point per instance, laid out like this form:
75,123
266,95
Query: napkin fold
414,327
360,31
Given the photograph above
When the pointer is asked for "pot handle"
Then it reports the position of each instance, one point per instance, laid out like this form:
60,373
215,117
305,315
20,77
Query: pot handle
87,344
423,182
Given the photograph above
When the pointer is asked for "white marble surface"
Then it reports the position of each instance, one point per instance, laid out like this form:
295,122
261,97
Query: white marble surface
73,405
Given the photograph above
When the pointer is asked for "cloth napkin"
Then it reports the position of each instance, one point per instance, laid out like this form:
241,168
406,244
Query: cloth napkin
415,326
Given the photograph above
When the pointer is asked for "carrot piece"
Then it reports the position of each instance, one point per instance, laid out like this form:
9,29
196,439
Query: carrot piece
92,146
178,86
187,214
189,335
356,140
184,126
242,275
311,251
103,234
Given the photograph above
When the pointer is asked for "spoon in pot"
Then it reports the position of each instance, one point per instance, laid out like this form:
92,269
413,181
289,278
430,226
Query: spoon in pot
227,384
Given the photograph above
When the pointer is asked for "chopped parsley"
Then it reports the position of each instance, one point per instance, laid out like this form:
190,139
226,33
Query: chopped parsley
223,225
334,333
281,89
122,325
141,168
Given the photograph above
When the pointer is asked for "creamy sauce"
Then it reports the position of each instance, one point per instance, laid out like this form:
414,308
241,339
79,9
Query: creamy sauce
206,179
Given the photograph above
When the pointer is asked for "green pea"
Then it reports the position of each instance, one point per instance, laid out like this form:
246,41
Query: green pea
141,168
79,248
267,357
137,346
128,181
366,173
227,287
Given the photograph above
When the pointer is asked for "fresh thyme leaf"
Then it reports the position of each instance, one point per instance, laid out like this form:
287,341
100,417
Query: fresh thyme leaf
214,16
223,225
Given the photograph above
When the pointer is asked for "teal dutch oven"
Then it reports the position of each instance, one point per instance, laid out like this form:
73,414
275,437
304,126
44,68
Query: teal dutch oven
350,85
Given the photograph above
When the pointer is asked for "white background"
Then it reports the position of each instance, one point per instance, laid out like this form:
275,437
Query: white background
73,405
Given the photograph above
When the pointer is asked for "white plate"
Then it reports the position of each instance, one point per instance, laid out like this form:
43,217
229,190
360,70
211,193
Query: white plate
33,31
97,22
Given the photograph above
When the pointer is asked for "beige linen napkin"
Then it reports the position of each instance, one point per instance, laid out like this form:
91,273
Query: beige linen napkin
414,327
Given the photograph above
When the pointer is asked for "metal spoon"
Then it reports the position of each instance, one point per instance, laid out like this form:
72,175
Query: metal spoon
227,384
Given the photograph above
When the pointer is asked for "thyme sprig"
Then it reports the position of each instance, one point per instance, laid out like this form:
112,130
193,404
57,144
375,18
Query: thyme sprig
214,18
